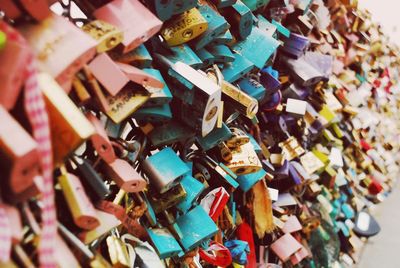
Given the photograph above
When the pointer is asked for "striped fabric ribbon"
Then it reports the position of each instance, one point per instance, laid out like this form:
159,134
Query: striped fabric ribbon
37,115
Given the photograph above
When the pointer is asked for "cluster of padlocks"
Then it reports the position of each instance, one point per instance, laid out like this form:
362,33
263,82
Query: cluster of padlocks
209,133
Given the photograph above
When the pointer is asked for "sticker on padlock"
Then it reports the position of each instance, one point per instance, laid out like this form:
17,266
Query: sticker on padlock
184,27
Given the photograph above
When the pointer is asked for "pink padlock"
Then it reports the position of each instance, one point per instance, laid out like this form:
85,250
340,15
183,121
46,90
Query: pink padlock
125,176
100,140
133,18
285,247
13,59
37,9
61,48
18,152
14,219
114,76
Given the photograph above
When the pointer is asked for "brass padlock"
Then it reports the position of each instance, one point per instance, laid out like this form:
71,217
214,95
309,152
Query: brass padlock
107,35
69,127
184,27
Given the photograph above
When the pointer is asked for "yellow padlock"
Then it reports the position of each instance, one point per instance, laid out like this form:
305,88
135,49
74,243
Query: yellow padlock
107,35
184,27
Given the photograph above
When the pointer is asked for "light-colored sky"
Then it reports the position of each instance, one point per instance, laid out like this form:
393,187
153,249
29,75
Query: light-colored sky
387,13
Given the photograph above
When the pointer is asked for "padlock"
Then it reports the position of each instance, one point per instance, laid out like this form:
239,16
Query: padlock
193,190
163,9
54,41
295,45
238,138
125,13
13,57
238,99
240,18
81,208
157,97
233,71
156,165
244,160
216,25
19,154
170,133
156,114
107,223
185,54
69,127
285,247
291,148
265,43
181,6
125,103
206,93
255,4
184,27
115,76
215,137
297,107
247,181
196,227
118,252
206,57
304,74
253,88
172,197
91,180
100,140
11,9
106,35
139,57
221,53
164,243
223,39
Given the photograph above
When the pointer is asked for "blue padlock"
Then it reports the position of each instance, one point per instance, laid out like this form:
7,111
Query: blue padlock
170,133
164,169
193,190
206,57
271,83
253,88
217,25
156,114
158,97
184,54
246,182
223,39
348,211
281,29
214,137
265,25
240,18
221,53
342,227
150,214
232,71
258,47
181,6
164,243
255,4
164,9
196,226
